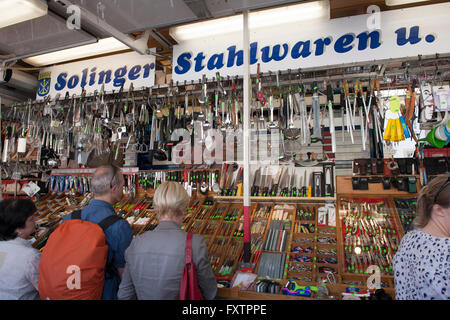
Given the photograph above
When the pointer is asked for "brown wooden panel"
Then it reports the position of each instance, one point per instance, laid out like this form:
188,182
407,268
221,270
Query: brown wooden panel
345,8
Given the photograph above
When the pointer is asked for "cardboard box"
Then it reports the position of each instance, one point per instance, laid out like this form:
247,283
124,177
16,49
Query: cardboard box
160,77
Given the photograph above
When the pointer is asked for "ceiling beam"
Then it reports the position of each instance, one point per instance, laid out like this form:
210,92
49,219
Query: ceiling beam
138,45
199,8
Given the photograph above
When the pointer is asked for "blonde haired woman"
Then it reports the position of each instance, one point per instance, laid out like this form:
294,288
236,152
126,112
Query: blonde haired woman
422,263
155,260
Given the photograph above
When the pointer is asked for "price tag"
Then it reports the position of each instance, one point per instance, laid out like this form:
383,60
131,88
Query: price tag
394,104
22,145
55,124
31,189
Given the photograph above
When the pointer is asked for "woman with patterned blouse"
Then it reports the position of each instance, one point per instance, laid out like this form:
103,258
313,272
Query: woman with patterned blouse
422,263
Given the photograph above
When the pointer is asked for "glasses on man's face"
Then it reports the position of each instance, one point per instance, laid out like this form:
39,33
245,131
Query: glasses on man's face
441,188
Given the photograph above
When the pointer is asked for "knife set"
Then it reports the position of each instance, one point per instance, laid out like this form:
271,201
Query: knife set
389,169
294,181
385,167
203,181
403,183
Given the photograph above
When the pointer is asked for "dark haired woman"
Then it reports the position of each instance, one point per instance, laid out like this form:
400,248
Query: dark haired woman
19,262
422,263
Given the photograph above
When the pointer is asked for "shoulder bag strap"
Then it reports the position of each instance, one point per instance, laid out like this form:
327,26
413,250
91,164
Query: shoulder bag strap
189,248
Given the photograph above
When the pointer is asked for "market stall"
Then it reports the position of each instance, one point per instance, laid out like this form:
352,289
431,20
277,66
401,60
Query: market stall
303,153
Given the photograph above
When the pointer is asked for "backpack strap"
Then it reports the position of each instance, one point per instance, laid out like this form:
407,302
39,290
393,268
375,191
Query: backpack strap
109,221
104,224
76,215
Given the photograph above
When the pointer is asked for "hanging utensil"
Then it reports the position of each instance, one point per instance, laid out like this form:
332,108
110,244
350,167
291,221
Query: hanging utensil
316,108
330,98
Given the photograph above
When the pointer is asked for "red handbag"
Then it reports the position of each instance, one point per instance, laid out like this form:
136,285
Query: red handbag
189,289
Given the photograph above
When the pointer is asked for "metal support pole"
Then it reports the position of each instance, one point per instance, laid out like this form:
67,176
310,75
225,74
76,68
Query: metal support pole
139,45
1,194
246,132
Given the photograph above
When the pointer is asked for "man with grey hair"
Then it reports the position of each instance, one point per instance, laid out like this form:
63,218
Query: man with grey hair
107,188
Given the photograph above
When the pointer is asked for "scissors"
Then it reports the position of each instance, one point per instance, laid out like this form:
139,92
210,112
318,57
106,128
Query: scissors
140,146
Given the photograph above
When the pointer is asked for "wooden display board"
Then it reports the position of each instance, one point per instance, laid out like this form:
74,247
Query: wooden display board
220,221
345,188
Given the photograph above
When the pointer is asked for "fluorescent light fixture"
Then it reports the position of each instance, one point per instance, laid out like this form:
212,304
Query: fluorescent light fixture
257,19
16,11
103,46
392,3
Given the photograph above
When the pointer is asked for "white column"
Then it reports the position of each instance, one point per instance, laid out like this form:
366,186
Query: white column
246,135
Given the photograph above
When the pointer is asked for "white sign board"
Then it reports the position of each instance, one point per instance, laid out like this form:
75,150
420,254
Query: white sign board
110,71
401,33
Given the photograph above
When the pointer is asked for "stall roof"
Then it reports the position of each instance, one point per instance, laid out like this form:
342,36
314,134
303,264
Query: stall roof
50,33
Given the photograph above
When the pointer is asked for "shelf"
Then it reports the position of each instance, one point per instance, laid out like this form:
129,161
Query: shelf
345,188
125,170
300,199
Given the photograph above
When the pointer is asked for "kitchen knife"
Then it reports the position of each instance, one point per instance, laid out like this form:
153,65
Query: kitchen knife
284,184
237,181
256,180
268,183
274,189
294,190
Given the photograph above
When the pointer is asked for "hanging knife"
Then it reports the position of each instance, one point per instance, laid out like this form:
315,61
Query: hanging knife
267,184
228,181
304,190
300,187
237,182
262,182
294,192
284,184
274,190
222,177
328,184
256,181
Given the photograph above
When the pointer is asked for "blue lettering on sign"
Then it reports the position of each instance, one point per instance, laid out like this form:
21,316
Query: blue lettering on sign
147,67
275,53
90,77
344,44
61,81
232,57
119,76
73,82
134,72
413,36
104,77
304,52
235,56
183,63
83,78
321,44
253,52
199,62
364,37
215,62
